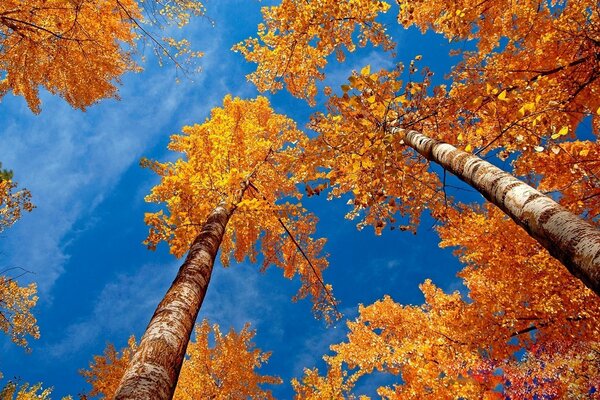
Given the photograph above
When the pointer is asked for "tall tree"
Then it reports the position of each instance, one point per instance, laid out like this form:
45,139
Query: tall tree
513,99
228,369
235,190
527,329
79,49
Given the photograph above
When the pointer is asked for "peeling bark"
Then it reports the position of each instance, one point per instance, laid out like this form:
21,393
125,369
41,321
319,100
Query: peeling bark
154,369
569,238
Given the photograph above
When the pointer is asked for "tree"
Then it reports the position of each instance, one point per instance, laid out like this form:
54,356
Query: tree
521,300
16,302
12,203
226,370
79,49
234,191
511,99
521,95
433,359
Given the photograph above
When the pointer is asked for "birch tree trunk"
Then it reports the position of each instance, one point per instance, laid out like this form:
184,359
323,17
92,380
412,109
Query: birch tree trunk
569,238
154,369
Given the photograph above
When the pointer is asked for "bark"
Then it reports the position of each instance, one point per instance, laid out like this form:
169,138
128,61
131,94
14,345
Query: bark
569,238
154,369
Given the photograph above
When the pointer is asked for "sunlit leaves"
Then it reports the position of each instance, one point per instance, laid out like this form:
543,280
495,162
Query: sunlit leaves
73,49
297,36
569,171
25,391
245,157
513,280
12,203
361,155
79,49
217,366
520,300
105,371
233,362
540,82
16,302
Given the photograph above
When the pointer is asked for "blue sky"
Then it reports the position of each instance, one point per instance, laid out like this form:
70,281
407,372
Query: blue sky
98,283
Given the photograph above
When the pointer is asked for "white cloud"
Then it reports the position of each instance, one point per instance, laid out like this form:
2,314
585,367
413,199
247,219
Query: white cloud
317,345
122,307
70,161
236,295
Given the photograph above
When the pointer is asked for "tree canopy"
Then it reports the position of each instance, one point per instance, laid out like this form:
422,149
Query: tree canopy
515,119
80,49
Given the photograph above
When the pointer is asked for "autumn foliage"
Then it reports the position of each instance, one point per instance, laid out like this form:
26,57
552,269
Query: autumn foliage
524,97
16,319
521,93
12,203
286,49
526,325
16,301
80,49
245,157
526,83
217,366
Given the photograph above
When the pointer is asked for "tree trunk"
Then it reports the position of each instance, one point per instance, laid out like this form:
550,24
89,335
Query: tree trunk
569,238
154,369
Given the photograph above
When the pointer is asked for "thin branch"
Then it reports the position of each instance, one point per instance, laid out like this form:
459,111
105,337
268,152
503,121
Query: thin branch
291,236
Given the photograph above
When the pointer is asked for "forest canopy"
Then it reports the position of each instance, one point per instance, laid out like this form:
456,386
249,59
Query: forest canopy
460,139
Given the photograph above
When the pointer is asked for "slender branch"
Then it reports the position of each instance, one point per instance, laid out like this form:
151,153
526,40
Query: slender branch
291,236
145,32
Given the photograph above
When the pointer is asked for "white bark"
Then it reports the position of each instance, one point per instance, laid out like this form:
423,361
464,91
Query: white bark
154,368
569,238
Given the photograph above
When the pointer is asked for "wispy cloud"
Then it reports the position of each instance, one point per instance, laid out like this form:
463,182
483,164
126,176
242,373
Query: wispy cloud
236,296
122,307
71,161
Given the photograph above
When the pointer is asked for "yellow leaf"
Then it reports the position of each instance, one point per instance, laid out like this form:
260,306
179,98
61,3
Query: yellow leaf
365,71
538,148
477,102
468,148
502,96
598,111
563,131
371,99
460,136
584,152
418,57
